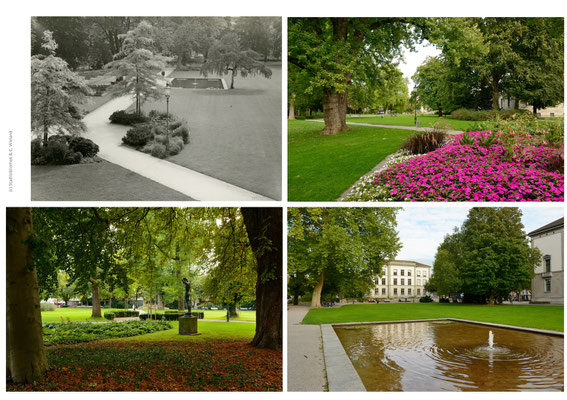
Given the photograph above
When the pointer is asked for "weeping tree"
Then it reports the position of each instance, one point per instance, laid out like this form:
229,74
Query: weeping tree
137,67
55,92
228,56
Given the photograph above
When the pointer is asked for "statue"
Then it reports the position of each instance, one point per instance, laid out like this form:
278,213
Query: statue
187,296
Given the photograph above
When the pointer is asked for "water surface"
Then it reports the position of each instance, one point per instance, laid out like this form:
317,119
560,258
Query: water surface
452,356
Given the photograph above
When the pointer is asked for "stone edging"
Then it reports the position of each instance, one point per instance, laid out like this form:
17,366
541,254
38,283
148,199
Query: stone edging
341,375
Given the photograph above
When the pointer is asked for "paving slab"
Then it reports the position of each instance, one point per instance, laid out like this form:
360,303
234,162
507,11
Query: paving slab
305,360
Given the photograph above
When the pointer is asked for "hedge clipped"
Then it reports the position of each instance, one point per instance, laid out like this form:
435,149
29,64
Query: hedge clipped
86,332
109,315
123,118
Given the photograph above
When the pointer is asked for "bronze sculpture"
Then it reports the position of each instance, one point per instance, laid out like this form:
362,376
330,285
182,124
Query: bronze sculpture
187,294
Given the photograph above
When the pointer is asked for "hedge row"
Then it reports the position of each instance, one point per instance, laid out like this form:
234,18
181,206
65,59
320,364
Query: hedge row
171,315
121,314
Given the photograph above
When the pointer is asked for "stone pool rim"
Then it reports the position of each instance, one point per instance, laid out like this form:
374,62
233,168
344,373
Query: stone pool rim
222,81
341,374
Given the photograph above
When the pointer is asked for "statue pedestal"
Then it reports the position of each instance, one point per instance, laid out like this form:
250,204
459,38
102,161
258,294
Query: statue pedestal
188,326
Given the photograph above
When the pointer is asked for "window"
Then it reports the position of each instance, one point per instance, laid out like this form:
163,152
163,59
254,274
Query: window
409,272
383,281
547,261
376,292
402,271
418,273
402,291
383,291
409,281
395,281
548,285
395,291
395,272
409,291
419,292
424,274
376,281
402,281
418,282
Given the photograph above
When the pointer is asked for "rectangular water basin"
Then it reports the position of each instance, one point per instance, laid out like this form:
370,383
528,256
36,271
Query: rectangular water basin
198,83
452,356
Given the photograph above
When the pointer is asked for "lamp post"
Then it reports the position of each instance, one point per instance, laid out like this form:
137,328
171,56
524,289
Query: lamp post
415,109
167,95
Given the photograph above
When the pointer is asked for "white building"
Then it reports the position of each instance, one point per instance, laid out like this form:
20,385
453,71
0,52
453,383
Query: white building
508,103
401,279
547,285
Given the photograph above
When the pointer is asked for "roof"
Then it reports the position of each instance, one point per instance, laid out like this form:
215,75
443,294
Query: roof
417,264
546,228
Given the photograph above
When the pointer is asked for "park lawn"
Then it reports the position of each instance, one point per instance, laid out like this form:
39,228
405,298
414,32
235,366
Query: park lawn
322,167
102,181
82,314
530,316
209,330
408,120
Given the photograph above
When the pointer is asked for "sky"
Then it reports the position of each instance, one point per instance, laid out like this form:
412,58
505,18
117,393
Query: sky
422,229
412,60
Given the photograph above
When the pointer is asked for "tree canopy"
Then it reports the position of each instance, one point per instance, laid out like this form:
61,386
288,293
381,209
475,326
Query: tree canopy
487,258
339,250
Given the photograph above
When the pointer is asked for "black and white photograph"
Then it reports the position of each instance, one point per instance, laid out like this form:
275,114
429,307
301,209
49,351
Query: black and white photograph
156,108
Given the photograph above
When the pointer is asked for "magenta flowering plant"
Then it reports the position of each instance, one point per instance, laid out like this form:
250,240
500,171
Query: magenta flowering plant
475,172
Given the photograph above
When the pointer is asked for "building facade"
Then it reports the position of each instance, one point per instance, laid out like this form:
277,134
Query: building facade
401,280
547,285
509,103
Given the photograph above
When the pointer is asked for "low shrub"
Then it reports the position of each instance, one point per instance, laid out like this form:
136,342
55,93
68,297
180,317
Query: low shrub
123,118
158,150
175,145
109,315
444,300
36,152
61,333
300,117
139,135
47,306
85,146
181,131
421,143
425,299
158,317
126,313
487,115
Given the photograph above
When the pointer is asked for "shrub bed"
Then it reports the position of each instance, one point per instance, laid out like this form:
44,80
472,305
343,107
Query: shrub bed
171,315
486,115
123,118
63,150
86,332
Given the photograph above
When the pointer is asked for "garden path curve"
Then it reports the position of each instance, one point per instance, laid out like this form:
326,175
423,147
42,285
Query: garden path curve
189,182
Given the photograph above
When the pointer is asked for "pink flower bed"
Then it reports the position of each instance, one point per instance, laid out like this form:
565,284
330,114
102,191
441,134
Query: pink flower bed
471,172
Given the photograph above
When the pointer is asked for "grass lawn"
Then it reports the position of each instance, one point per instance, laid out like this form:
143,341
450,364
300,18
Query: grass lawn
408,120
220,359
84,315
542,317
235,135
322,167
102,181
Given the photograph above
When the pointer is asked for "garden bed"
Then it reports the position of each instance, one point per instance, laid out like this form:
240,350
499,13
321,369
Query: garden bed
479,166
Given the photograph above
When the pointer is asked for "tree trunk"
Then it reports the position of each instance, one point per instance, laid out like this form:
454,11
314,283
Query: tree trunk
534,108
316,298
440,112
160,305
232,80
96,313
110,302
495,92
25,354
295,299
334,112
516,104
232,310
264,227
292,107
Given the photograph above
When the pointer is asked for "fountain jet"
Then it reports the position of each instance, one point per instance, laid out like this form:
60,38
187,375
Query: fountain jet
490,339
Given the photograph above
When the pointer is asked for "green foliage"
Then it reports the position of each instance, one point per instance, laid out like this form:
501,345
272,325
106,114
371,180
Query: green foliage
425,299
76,333
486,259
344,247
109,315
487,115
85,146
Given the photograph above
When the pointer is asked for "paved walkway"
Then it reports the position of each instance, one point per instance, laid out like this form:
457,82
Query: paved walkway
306,365
407,128
191,183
